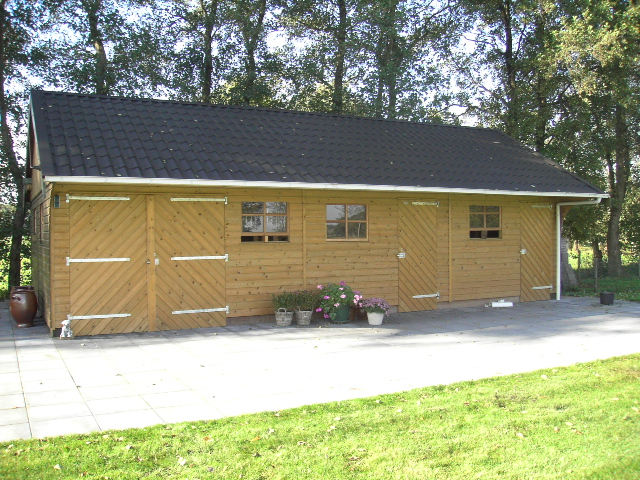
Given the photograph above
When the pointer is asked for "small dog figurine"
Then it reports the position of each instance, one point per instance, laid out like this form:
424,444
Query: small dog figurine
66,333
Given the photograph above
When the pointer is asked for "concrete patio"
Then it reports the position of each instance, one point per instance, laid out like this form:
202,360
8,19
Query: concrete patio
53,387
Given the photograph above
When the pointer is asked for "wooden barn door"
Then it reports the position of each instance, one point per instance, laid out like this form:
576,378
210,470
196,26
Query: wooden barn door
536,265
107,263
417,257
191,262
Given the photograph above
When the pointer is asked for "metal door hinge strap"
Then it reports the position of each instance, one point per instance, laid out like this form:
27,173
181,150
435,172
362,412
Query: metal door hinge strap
91,317
436,295
437,204
199,199
224,257
542,288
202,310
95,260
84,197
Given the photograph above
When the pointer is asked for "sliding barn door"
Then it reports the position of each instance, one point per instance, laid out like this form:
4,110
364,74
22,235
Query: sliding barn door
417,262
191,263
107,264
536,254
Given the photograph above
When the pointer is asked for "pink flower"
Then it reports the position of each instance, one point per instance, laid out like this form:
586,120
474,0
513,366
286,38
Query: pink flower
341,288
319,287
343,283
318,309
336,304
327,297
343,296
326,316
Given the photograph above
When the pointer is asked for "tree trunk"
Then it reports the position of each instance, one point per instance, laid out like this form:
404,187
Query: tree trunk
251,35
511,119
338,78
209,19
618,178
15,170
101,81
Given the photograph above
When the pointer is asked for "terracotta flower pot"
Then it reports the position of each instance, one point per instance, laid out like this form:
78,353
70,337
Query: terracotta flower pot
23,306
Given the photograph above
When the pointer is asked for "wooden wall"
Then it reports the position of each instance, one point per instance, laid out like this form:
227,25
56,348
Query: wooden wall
467,269
41,252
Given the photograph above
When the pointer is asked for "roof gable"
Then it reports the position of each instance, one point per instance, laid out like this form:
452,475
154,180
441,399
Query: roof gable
95,136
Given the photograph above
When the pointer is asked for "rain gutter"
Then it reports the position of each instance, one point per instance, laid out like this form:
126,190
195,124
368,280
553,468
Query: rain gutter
303,185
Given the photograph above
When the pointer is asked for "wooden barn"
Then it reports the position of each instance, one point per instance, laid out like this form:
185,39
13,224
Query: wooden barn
151,215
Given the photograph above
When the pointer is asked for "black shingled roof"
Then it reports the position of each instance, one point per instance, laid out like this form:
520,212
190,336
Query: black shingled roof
100,136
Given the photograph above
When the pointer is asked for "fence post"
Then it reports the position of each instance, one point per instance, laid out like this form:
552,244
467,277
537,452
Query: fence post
596,264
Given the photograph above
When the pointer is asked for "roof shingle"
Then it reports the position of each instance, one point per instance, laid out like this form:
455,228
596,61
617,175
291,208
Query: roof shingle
97,136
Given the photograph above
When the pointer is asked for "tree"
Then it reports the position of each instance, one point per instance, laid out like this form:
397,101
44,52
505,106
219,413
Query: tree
248,18
327,32
199,53
18,25
108,47
600,46
402,39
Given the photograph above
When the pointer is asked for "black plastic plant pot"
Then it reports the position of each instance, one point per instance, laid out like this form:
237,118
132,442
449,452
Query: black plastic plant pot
606,298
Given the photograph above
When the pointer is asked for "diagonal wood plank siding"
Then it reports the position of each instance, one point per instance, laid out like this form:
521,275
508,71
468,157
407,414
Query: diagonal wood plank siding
108,229
189,229
537,231
417,231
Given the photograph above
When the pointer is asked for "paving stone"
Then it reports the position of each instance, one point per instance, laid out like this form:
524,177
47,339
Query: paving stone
133,380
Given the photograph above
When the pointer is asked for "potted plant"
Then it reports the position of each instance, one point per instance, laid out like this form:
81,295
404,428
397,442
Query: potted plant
284,303
305,304
336,301
376,309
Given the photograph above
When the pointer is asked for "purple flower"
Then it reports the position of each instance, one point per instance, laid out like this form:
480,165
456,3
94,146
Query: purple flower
326,316
318,309
343,283
327,297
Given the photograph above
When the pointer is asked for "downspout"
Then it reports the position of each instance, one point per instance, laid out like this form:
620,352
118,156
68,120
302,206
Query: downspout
593,201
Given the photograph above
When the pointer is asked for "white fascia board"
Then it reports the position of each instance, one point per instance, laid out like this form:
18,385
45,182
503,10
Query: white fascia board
302,185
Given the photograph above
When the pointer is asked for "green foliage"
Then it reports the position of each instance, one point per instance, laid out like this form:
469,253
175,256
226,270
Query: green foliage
566,423
626,288
334,296
286,300
307,300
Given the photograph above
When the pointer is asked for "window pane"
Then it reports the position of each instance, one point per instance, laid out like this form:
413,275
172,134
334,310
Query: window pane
276,207
335,230
252,224
276,224
476,221
493,220
493,233
251,238
476,208
493,209
357,230
335,212
357,212
252,207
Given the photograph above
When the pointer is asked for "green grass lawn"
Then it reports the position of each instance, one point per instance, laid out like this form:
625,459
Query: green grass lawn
625,288
579,422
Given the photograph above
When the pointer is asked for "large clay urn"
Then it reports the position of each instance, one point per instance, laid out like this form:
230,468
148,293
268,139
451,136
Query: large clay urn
23,305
